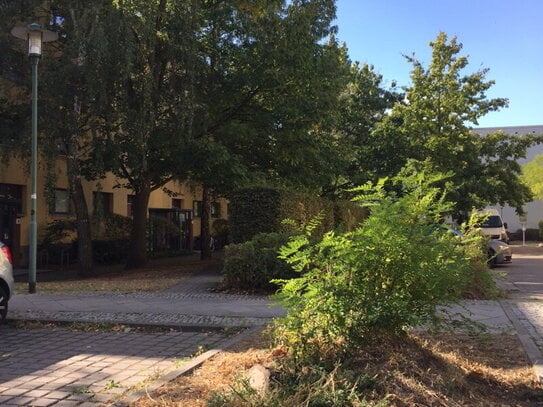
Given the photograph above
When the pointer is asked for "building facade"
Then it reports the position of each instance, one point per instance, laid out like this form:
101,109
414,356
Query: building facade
182,206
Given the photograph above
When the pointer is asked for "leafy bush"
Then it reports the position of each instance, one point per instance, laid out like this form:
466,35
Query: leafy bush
250,266
219,230
110,251
262,210
111,227
541,230
56,232
387,274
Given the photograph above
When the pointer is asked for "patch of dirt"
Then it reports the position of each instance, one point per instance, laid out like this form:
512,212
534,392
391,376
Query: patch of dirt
216,375
158,275
422,370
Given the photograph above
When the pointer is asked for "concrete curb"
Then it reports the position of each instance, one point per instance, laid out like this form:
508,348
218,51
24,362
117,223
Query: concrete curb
188,367
530,347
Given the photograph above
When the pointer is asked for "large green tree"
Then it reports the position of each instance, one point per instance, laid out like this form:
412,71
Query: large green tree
64,117
434,126
143,98
188,88
69,94
269,74
361,106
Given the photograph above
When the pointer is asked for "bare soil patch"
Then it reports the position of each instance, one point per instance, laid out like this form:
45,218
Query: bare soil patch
439,369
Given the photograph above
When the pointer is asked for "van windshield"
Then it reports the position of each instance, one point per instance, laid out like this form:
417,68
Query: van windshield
492,222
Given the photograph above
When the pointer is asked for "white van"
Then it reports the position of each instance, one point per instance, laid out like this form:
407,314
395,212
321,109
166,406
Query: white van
493,225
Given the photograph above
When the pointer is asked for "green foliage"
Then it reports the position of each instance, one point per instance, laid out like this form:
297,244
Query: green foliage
110,251
363,103
263,210
310,386
387,274
111,227
57,231
432,126
252,265
532,175
219,230
251,211
541,230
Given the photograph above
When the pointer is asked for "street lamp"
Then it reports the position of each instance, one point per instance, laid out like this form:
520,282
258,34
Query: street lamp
35,36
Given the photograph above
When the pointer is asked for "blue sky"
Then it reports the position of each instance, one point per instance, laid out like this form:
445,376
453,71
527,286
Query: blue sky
505,36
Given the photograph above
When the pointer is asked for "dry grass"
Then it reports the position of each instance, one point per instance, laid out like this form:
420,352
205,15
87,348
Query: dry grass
157,276
421,370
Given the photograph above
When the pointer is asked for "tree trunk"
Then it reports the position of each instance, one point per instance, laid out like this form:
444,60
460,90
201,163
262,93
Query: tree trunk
137,255
84,234
83,225
205,252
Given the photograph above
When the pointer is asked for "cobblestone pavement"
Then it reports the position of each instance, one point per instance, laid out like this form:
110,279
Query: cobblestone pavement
178,309
529,314
60,367
524,306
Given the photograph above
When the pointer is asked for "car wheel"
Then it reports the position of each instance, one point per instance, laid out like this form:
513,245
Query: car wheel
492,259
3,305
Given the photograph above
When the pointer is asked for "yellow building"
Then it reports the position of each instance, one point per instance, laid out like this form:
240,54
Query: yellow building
183,206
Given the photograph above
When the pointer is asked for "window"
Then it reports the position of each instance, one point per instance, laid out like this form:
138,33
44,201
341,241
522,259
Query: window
62,202
130,205
103,203
215,210
197,208
177,203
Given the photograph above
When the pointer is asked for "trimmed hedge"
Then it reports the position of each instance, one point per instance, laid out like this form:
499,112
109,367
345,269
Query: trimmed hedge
261,210
250,266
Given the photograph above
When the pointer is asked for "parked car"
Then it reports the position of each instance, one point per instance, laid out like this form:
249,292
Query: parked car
498,251
6,280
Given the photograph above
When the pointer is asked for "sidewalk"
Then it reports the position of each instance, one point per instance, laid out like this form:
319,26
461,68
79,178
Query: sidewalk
94,369
192,303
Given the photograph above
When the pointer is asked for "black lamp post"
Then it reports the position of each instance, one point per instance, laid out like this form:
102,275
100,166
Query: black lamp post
36,36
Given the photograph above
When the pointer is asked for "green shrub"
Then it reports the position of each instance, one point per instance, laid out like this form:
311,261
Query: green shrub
385,275
219,230
252,211
111,227
541,230
250,266
56,232
110,251
262,210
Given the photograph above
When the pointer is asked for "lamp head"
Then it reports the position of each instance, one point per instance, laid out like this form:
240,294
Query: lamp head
34,39
35,35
